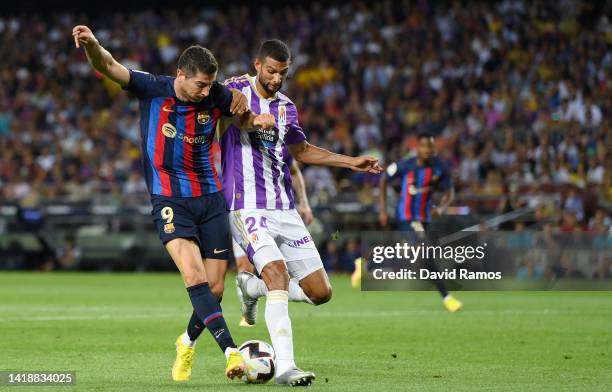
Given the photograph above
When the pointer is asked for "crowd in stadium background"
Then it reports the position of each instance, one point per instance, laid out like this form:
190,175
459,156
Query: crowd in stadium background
518,93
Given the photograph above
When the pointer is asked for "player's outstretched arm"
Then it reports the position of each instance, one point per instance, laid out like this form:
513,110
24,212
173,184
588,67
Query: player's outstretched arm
313,155
299,187
99,58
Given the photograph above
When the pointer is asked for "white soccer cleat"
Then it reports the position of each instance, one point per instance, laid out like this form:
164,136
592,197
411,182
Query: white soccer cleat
248,304
295,377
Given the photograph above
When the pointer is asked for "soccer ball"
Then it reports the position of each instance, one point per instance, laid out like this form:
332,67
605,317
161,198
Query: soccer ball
260,361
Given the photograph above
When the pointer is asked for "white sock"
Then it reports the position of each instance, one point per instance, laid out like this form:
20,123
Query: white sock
279,326
186,341
256,288
296,294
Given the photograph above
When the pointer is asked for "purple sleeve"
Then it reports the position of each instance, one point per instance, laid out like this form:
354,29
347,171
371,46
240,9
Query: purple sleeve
295,133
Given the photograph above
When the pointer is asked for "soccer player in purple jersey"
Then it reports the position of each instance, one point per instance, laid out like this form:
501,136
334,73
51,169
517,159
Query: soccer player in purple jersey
421,177
263,216
178,123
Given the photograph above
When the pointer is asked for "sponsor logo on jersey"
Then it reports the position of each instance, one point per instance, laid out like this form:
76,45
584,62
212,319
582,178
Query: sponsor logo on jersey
413,190
266,137
169,130
300,242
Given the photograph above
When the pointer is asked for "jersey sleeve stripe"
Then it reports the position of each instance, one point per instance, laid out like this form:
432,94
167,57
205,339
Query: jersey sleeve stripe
160,141
190,132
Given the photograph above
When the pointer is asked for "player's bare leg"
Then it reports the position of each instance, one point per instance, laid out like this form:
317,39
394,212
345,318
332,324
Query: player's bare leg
317,287
186,255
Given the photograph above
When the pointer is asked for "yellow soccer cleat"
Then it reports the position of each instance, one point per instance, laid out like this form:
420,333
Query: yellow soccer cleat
181,371
452,304
236,367
356,276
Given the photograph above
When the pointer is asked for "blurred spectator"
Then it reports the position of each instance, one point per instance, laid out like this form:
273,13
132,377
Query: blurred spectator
517,93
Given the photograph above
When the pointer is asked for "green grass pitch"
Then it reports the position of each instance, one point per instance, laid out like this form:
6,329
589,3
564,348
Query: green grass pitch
117,332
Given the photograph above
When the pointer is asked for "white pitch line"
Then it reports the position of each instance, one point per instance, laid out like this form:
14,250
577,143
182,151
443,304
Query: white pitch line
299,315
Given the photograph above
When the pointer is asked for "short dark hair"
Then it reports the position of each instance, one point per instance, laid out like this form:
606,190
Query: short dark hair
275,49
425,135
197,58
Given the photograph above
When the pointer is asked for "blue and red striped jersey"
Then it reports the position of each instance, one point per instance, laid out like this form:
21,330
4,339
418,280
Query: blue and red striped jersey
177,137
419,182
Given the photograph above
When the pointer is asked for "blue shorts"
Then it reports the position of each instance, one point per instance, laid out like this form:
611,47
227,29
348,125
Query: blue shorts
203,219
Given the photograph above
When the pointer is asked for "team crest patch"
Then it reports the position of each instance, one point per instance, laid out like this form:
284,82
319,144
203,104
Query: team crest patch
282,113
169,228
169,130
254,238
203,118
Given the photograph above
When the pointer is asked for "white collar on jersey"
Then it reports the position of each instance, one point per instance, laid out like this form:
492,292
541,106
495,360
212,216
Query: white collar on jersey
254,87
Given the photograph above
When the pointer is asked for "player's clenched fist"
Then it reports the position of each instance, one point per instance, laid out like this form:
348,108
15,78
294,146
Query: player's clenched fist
83,36
265,121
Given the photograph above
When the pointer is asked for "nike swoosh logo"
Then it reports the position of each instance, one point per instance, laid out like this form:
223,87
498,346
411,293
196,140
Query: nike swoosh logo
215,251
165,109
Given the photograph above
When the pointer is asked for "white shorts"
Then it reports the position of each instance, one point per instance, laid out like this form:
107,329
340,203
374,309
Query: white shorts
269,235
238,252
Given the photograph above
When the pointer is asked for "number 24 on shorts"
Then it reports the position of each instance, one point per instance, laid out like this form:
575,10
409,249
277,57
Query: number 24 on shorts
251,222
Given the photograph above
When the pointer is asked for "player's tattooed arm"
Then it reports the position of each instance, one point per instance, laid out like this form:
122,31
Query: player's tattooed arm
299,187
310,154
99,58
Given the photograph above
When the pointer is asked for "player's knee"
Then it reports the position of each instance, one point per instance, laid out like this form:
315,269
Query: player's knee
275,276
217,288
321,296
193,276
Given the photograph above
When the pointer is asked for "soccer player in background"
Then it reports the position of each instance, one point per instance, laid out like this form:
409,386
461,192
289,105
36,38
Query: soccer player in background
421,177
178,117
263,219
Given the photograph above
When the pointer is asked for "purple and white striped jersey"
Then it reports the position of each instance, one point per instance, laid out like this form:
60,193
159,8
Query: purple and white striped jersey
256,164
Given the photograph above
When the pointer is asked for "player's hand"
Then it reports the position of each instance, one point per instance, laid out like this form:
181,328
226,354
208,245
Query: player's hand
383,218
265,121
366,164
239,102
306,213
83,36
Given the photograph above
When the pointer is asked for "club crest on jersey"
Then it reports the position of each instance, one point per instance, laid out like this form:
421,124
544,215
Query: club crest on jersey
169,130
282,114
203,118
169,228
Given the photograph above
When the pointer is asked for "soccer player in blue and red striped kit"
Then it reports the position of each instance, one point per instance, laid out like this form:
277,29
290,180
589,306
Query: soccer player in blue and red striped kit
421,177
178,118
